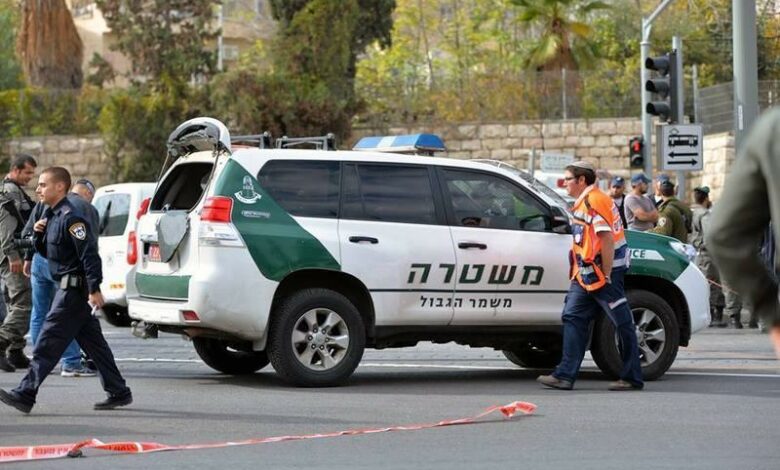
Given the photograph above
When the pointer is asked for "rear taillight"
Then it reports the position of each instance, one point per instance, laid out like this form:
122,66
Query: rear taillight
190,315
217,209
144,208
132,249
561,183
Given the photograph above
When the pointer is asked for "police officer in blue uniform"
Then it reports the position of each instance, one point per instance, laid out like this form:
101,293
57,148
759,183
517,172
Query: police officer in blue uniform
65,239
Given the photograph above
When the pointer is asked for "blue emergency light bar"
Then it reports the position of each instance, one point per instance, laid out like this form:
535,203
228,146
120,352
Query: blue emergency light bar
420,144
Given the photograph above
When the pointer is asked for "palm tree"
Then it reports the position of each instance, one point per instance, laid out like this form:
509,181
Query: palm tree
562,45
562,37
48,45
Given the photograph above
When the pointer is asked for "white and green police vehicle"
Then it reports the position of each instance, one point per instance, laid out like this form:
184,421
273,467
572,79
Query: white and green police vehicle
303,258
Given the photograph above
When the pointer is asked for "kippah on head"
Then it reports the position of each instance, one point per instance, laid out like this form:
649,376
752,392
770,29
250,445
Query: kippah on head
88,184
584,165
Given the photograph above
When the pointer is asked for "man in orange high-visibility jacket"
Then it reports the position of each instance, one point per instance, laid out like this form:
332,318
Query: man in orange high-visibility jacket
599,261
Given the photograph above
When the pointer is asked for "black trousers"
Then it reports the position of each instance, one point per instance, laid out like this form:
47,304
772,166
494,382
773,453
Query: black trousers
71,318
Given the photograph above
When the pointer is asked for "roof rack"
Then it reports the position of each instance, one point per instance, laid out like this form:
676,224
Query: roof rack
325,142
262,141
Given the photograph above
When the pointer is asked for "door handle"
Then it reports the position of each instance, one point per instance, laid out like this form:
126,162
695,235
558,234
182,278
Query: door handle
370,240
467,245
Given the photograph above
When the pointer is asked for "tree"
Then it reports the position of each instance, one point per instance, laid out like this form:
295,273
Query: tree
10,69
562,41
164,38
49,46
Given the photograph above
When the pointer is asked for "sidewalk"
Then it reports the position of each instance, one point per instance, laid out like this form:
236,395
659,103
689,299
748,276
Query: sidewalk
728,349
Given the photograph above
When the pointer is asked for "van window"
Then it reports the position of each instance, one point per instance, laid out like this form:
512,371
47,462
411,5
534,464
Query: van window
303,188
114,210
481,200
389,193
182,188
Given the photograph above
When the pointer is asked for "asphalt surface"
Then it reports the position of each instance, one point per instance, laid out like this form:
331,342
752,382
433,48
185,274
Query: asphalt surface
718,408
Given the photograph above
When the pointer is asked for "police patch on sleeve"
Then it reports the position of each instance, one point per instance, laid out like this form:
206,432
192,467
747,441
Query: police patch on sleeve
78,230
662,221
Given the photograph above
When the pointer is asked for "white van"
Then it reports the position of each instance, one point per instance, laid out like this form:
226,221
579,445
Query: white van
304,258
118,206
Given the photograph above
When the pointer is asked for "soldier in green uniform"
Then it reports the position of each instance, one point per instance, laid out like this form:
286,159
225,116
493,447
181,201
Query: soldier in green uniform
702,212
750,201
671,221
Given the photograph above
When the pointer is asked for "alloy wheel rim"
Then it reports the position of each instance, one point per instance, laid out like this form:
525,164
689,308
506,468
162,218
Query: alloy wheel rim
650,335
320,339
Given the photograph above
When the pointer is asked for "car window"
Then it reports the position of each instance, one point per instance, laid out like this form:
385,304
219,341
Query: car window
389,193
482,200
303,188
114,210
177,191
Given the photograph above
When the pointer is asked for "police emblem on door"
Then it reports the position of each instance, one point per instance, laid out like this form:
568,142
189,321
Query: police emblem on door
247,195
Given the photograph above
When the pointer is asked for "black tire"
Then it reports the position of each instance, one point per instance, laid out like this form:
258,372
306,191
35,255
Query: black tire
545,355
296,328
116,315
221,356
643,304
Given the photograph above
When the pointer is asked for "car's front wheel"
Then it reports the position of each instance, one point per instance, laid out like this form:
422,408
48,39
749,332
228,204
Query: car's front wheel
317,338
227,358
658,337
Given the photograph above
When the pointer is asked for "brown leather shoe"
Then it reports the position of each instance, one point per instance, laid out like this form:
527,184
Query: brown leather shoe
624,385
554,382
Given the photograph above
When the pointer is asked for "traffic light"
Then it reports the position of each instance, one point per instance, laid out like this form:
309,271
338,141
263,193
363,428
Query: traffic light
665,86
636,152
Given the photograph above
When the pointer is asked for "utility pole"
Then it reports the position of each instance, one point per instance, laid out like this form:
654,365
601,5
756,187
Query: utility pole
745,68
647,122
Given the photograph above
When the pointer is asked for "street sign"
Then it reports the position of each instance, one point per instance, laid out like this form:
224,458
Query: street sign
681,147
555,161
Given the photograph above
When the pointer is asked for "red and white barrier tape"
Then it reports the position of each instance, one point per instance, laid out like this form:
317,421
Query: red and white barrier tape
17,454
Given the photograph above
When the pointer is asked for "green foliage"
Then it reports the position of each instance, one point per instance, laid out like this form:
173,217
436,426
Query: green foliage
135,124
30,111
10,69
164,39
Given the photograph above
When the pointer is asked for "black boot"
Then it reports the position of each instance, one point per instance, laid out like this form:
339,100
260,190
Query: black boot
5,365
717,318
17,359
736,323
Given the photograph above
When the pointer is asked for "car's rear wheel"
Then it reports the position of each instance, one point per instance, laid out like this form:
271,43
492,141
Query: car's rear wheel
226,357
116,315
317,338
536,354
658,337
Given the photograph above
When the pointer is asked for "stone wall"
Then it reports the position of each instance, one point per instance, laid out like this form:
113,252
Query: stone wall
604,142
83,156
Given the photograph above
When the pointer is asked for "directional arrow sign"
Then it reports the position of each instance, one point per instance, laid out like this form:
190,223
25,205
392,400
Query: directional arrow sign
680,147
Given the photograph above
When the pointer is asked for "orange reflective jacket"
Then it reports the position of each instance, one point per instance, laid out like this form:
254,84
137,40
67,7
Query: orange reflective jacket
593,212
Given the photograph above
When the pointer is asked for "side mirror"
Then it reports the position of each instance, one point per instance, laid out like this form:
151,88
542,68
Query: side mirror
560,224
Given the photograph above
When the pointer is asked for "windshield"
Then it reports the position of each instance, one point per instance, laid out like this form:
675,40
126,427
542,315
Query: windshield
533,182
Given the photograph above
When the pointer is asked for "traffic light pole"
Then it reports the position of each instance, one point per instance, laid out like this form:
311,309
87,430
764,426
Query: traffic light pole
647,122
677,46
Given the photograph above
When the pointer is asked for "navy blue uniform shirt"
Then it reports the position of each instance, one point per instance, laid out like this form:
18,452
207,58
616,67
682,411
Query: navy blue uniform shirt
88,211
69,245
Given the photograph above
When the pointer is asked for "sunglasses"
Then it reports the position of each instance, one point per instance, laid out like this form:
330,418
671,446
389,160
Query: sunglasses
569,178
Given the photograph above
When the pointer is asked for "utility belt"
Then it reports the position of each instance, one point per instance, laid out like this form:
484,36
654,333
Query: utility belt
72,281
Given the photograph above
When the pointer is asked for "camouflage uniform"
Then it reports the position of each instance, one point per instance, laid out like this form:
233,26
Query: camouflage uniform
18,294
701,218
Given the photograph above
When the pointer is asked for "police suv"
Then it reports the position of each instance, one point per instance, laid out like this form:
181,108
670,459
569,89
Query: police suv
303,258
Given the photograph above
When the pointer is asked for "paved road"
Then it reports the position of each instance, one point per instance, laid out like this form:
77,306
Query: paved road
717,409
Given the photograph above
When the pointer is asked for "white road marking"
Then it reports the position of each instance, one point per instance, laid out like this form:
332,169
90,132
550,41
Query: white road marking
390,365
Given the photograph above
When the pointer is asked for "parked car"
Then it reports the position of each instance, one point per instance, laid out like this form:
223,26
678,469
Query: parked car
118,206
306,257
